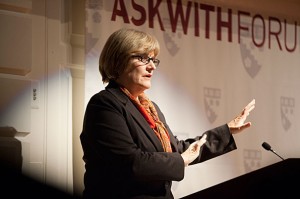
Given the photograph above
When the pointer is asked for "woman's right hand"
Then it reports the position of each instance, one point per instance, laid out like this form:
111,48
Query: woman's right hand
193,151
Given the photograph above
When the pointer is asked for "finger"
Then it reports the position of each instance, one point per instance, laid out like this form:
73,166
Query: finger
251,103
247,111
202,140
203,137
244,126
250,106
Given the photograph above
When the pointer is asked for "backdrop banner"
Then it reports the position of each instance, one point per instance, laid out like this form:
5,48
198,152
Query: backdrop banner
214,61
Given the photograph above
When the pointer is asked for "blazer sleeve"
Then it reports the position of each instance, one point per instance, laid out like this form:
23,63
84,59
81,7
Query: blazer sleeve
219,141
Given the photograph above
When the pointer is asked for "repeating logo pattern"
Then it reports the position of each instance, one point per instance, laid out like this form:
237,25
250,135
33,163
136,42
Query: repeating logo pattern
287,106
212,97
250,63
93,15
252,159
249,52
170,38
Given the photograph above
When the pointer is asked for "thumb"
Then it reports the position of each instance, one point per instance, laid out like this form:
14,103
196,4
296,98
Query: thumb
202,140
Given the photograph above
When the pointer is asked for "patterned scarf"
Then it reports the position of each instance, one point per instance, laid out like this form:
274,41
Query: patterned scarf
149,112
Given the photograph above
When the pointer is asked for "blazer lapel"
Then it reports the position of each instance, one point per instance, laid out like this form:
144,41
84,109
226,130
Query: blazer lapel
137,115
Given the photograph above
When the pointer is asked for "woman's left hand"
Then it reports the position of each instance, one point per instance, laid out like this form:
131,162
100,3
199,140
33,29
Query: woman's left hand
238,123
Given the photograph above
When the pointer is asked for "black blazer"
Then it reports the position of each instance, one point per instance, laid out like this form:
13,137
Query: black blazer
124,158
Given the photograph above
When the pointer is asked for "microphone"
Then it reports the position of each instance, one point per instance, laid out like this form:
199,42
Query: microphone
269,148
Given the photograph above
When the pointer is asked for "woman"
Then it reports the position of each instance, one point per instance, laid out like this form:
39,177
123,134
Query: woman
129,150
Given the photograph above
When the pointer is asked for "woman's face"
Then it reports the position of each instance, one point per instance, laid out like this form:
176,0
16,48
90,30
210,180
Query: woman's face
136,78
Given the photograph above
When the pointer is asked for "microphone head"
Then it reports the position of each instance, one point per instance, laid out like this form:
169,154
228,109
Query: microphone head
266,146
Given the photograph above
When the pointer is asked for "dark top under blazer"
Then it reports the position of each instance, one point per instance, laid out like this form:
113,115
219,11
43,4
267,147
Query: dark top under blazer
124,158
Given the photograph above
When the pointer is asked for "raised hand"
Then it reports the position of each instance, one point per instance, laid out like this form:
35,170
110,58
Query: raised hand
238,123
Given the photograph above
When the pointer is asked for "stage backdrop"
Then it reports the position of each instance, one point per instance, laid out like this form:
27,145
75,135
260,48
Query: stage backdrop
214,61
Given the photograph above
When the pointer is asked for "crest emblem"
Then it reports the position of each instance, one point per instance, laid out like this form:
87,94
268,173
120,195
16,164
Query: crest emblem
252,159
171,38
212,98
250,53
287,105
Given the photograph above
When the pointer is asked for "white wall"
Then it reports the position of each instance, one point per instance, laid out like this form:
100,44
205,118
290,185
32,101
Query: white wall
36,75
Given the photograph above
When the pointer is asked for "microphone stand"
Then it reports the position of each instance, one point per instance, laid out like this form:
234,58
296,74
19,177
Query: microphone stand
276,154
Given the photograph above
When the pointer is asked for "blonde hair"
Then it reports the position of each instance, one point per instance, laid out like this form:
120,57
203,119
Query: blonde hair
119,48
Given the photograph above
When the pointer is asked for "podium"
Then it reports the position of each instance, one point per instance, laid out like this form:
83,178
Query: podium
281,179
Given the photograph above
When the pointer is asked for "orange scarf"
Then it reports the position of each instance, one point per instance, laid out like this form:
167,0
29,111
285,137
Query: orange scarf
149,112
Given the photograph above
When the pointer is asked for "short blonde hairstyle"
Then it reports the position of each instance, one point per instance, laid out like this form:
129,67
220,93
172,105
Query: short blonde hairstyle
119,48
